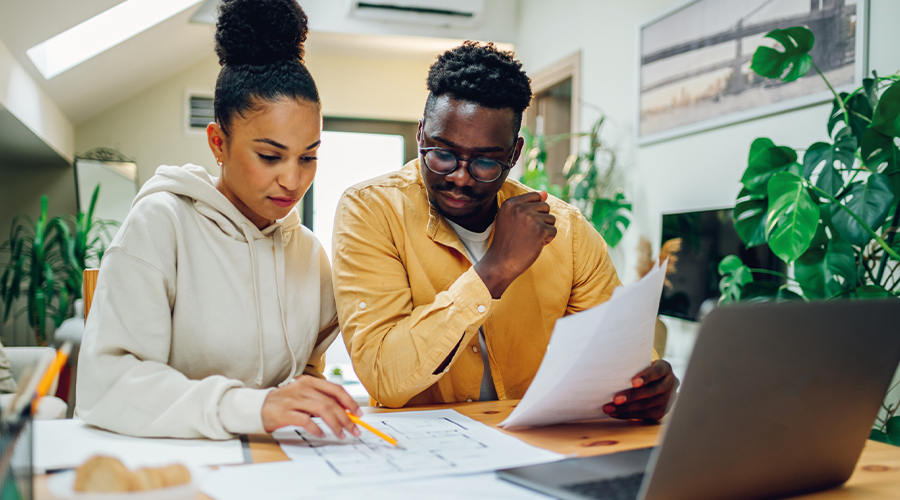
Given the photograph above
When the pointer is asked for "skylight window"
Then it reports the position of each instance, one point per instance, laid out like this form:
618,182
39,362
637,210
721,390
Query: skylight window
101,32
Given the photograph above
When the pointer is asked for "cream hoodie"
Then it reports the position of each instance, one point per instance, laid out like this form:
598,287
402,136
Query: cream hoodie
198,314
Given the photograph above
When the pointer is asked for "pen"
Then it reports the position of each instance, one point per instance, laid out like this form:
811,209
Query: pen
358,421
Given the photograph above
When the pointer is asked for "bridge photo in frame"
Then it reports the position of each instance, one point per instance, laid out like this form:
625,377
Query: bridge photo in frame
694,70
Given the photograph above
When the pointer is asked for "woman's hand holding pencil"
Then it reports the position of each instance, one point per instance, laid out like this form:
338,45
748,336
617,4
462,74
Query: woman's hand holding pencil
306,397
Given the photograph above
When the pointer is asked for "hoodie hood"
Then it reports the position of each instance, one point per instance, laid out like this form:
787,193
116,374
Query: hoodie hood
197,314
194,182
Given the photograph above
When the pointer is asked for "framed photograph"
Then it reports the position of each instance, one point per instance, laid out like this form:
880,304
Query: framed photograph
694,62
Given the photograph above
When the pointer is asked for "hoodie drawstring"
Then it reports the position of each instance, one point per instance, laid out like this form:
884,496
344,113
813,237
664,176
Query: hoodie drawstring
279,280
245,228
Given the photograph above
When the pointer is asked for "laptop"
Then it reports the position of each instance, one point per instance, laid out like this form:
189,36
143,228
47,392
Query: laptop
778,399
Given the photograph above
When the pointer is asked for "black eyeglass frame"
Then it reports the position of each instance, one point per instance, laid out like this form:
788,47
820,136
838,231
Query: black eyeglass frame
504,166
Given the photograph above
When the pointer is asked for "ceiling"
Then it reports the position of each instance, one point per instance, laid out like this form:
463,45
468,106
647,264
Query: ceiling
177,44
21,147
122,71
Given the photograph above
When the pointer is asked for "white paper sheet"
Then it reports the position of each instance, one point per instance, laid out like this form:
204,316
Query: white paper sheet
593,355
468,487
435,443
63,444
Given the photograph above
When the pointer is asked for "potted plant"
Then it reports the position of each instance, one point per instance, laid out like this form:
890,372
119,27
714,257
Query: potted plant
833,213
592,184
336,375
46,259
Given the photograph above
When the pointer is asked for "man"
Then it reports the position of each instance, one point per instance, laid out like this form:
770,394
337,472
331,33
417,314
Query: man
448,276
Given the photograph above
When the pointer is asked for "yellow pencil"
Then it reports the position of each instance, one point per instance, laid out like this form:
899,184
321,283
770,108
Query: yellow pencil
358,421
62,355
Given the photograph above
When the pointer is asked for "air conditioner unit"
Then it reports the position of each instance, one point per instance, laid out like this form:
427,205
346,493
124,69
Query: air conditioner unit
446,13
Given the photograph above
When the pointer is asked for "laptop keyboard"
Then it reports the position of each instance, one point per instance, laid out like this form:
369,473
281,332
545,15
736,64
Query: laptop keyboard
617,488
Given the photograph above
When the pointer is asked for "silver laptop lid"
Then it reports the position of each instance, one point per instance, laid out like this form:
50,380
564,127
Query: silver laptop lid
777,399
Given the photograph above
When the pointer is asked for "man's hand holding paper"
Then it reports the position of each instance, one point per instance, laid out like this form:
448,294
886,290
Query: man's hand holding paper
650,395
590,357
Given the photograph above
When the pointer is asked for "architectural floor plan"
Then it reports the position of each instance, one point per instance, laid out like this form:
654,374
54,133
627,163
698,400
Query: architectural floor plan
426,444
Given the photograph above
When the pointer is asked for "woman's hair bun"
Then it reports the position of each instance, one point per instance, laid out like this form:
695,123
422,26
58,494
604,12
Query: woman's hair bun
260,32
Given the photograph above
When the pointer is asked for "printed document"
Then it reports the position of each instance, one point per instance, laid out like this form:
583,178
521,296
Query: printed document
433,443
63,444
592,355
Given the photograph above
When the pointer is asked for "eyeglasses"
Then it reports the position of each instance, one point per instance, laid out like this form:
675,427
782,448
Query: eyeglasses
444,162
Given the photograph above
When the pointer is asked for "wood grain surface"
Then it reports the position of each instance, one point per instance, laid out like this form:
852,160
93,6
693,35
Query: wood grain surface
877,474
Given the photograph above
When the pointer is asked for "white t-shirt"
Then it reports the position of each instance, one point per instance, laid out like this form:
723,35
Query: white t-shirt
476,245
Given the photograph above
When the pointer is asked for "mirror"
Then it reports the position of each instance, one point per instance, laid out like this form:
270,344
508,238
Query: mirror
117,176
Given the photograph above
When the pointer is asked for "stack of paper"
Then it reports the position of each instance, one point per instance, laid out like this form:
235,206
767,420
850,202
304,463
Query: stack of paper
593,355
63,444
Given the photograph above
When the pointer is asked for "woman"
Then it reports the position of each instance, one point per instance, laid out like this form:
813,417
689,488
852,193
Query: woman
214,306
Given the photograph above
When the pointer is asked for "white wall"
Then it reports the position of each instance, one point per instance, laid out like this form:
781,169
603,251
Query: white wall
604,32
497,22
22,96
692,172
376,88
149,127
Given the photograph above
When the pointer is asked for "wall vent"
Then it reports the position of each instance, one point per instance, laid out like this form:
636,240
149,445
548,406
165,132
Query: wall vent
200,112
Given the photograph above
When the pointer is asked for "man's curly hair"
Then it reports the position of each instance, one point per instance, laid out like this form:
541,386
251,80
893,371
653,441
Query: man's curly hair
482,74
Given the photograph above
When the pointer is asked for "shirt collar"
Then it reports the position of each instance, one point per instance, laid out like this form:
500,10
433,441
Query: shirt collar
439,230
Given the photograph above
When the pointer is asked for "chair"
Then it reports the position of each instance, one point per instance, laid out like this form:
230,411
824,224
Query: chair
88,284
72,330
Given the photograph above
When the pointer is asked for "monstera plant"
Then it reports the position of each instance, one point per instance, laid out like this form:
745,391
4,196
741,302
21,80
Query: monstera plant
593,179
830,212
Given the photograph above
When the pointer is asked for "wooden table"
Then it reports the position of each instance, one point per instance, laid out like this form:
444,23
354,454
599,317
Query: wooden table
877,474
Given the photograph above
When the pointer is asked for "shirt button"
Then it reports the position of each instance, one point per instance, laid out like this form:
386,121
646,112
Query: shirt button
468,401
481,309
474,349
362,305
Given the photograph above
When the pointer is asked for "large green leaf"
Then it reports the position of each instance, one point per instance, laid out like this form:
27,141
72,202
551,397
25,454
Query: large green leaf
892,426
766,159
809,270
879,153
841,154
734,276
859,110
822,238
880,436
789,65
871,292
887,115
750,217
841,271
870,201
536,179
792,217
767,291
610,218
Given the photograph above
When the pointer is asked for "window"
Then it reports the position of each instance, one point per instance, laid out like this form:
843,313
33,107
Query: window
102,32
352,151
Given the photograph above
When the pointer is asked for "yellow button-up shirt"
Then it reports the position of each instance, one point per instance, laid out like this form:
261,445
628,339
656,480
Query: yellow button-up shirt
407,294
